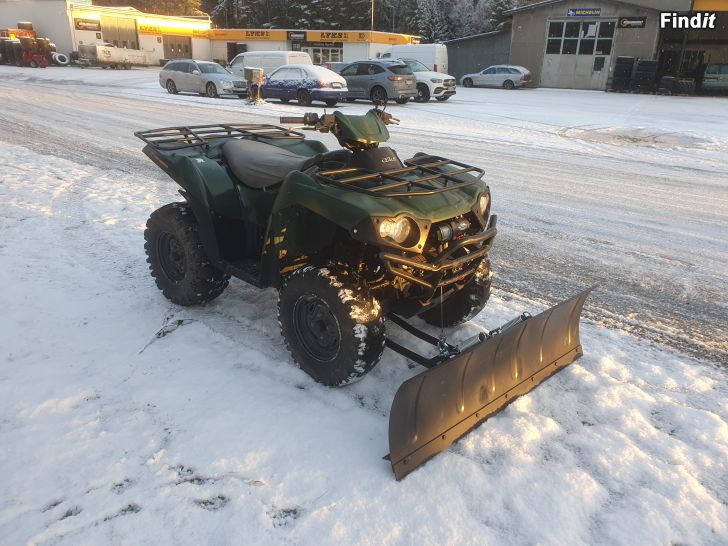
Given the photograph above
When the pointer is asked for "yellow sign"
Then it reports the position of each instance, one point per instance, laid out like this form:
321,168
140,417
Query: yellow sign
159,25
710,5
390,38
351,36
247,34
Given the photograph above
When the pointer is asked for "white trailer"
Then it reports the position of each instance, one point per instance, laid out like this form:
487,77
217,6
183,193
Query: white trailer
108,56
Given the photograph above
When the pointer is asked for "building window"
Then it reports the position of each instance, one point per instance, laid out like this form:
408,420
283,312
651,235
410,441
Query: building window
580,38
572,30
606,30
586,47
556,30
553,47
604,47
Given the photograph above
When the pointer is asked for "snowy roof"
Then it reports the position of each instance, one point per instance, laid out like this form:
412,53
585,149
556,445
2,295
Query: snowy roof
545,3
491,33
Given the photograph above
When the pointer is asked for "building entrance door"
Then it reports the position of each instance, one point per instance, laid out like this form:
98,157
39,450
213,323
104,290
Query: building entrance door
578,54
323,52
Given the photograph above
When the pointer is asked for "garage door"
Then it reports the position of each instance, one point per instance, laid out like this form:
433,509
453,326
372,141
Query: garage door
578,54
120,31
177,47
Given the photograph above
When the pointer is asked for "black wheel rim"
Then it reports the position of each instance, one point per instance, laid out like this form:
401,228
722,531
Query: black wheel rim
420,94
171,257
316,328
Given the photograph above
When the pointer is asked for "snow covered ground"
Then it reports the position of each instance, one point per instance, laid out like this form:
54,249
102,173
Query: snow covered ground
111,432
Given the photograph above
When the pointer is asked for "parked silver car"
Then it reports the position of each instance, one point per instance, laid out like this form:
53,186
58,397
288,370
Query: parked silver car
379,81
507,76
203,77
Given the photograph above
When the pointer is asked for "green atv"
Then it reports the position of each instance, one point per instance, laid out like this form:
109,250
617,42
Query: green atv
349,237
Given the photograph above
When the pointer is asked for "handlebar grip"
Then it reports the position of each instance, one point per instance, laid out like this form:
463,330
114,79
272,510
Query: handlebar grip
293,119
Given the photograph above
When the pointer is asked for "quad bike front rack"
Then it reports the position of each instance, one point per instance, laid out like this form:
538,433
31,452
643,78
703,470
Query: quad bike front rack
421,175
465,385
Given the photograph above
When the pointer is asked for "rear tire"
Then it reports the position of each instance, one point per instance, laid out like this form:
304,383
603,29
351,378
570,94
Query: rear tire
304,97
508,84
171,87
467,82
423,93
378,95
331,103
331,325
177,259
463,305
211,91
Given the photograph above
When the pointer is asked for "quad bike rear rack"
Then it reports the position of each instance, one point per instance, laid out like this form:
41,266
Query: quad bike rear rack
421,175
466,384
177,138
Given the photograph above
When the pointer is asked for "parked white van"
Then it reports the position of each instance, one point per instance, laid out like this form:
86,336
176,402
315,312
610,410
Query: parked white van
267,60
433,56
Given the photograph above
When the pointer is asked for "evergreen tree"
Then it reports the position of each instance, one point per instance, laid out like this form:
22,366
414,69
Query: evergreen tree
433,20
161,7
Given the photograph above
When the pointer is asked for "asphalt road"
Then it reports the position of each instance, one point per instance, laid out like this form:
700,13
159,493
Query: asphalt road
644,219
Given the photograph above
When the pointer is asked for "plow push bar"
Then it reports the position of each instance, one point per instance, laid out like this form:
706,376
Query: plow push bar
463,387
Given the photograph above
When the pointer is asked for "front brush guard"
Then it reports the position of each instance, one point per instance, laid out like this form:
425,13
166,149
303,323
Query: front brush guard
465,386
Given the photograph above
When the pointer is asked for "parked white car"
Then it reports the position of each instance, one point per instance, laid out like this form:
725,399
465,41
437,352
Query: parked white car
430,84
267,60
507,76
203,77
433,56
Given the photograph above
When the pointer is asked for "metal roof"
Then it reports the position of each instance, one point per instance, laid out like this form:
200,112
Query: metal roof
545,3
491,33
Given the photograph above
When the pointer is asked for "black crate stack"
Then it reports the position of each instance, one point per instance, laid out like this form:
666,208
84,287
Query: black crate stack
644,79
622,73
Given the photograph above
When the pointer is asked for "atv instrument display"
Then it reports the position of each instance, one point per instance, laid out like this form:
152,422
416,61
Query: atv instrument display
352,237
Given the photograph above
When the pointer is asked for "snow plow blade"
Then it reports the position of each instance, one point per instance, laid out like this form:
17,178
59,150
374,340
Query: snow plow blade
434,409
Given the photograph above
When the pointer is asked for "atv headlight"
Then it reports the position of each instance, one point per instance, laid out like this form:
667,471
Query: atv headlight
397,229
483,203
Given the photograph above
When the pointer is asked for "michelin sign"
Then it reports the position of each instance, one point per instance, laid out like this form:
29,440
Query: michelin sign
584,12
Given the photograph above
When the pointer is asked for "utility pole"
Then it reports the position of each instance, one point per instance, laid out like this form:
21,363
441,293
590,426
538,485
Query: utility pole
372,15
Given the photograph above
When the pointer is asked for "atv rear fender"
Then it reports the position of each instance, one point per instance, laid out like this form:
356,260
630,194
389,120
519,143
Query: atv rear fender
202,178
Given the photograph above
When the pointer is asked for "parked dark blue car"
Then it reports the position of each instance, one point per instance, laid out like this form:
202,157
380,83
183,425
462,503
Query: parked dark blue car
305,83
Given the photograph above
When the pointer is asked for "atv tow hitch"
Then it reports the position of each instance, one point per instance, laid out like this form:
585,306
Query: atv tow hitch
465,384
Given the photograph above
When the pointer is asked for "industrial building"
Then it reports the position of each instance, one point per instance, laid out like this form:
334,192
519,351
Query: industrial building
73,23
573,44
70,23
323,45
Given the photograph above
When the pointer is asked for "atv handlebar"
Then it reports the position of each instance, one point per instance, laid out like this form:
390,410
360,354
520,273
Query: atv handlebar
309,118
325,122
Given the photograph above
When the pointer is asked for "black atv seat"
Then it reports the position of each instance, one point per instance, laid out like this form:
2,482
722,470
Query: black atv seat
260,165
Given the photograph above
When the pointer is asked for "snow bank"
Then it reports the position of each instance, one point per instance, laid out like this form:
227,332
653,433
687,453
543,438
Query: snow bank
209,434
